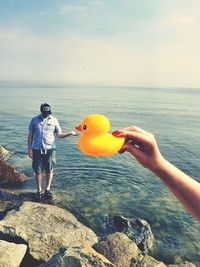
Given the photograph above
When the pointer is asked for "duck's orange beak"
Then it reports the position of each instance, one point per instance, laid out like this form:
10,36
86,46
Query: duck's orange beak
79,128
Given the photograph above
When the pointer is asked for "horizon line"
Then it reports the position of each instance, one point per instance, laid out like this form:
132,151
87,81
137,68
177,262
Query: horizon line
50,84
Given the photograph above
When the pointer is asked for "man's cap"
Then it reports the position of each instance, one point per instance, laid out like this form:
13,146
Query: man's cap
45,108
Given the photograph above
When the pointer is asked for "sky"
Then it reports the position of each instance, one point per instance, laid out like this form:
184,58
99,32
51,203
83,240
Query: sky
104,42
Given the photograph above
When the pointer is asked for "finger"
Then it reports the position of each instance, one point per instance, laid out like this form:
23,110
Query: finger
130,135
130,128
123,149
134,129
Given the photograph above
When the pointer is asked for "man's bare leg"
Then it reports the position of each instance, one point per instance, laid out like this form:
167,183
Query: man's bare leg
38,178
49,177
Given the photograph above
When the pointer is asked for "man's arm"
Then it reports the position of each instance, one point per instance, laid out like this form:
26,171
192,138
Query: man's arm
63,135
30,141
59,132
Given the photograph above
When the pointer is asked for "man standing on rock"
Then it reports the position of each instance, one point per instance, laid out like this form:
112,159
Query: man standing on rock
41,147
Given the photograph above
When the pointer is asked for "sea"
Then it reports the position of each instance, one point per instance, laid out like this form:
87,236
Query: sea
95,187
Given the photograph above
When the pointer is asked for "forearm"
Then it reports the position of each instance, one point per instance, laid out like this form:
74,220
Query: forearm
63,135
30,140
186,189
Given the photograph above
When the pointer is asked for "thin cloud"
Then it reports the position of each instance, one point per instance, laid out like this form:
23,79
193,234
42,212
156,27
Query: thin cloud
96,2
77,60
72,9
181,20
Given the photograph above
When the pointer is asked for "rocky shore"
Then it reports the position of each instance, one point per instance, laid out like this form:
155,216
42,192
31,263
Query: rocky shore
42,234
8,172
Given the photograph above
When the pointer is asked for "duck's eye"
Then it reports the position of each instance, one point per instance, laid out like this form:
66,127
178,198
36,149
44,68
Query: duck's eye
84,127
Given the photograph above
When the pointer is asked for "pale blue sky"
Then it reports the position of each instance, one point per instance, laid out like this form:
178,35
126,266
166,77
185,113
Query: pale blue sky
135,42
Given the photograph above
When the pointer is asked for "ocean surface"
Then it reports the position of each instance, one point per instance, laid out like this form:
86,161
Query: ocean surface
92,187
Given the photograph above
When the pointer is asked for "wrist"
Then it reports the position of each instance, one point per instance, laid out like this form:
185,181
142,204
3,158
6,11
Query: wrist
159,165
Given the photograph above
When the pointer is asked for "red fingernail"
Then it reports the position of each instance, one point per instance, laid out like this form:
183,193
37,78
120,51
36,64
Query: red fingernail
122,150
116,132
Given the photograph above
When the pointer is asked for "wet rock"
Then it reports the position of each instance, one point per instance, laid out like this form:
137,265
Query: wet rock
80,256
11,254
15,197
45,228
4,207
138,230
9,174
4,153
119,249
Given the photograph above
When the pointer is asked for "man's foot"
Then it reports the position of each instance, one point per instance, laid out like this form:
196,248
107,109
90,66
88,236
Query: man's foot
48,194
39,195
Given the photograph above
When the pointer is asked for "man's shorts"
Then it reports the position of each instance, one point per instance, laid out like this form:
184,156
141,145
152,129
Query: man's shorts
45,161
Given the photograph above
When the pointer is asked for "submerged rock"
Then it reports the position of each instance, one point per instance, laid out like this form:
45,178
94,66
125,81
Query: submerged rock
16,197
136,229
79,256
148,261
9,174
45,228
119,249
4,153
11,254
181,263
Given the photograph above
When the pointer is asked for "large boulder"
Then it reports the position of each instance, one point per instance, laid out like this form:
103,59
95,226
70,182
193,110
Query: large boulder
11,254
79,256
9,174
138,230
45,228
4,153
119,249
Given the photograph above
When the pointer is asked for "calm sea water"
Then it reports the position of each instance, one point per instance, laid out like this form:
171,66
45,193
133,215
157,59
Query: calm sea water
92,187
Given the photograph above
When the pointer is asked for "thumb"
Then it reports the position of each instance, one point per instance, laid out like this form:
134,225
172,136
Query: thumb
132,150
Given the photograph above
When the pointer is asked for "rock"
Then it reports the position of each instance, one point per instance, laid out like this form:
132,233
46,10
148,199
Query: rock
138,230
119,249
45,228
80,256
148,261
4,207
9,174
4,154
183,264
11,254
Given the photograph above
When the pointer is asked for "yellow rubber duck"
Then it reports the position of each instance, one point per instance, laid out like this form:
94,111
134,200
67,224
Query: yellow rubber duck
95,139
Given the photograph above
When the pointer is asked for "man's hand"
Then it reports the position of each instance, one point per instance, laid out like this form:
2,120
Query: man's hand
30,153
74,133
